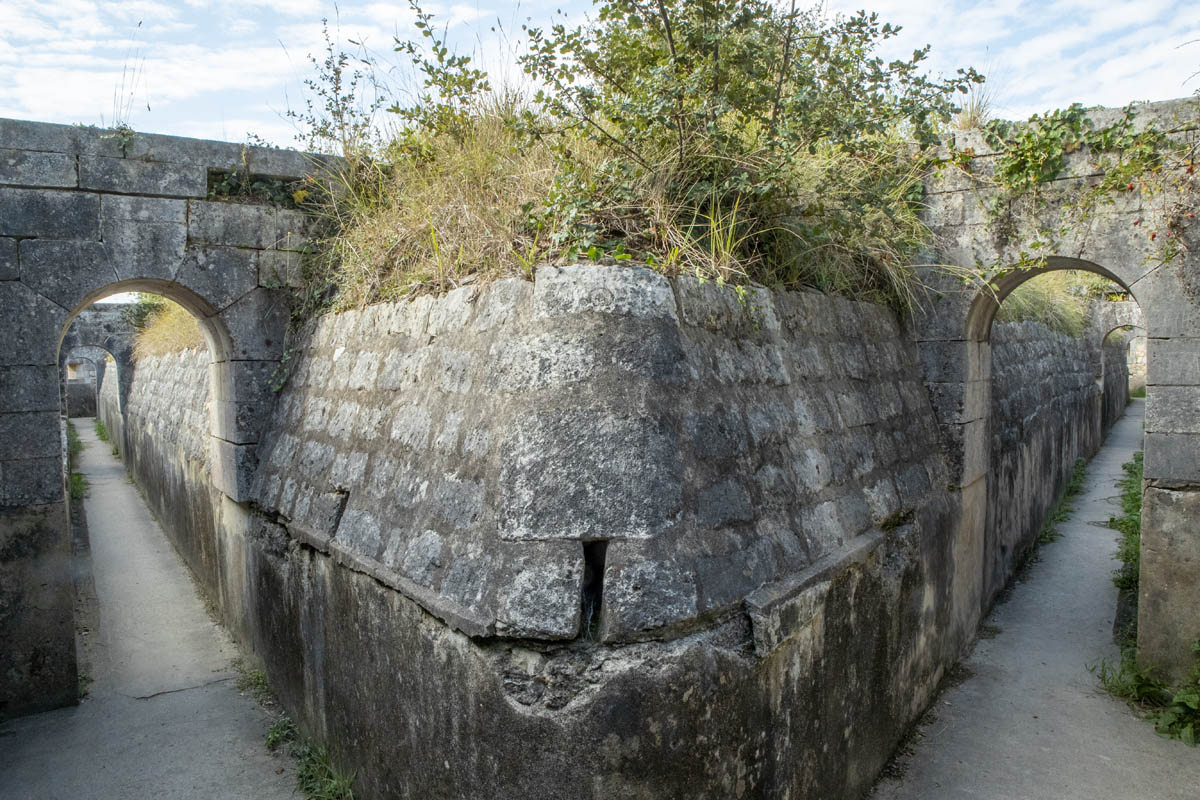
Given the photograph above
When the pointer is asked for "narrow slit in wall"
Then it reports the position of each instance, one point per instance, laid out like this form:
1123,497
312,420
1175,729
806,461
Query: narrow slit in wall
593,588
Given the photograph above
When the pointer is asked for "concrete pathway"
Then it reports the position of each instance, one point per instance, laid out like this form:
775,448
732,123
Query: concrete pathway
1031,723
163,718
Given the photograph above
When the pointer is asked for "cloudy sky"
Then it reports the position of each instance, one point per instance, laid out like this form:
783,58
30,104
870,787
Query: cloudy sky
224,68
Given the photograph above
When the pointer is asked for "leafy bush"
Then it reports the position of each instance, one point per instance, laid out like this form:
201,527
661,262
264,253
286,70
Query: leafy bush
1175,712
735,139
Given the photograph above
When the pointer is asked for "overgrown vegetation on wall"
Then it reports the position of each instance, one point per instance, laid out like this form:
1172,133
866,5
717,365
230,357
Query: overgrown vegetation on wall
737,139
1129,524
162,326
1059,300
1127,157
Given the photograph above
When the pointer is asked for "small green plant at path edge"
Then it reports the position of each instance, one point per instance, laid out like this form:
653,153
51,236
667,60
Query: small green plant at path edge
316,776
1174,712
1062,510
74,445
101,431
1138,393
1130,525
79,486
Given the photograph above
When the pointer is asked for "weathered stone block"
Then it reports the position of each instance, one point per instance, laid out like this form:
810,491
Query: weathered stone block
540,598
707,304
37,592
29,388
35,168
30,481
29,327
277,268
257,323
49,213
723,504
616,475
1173,409
65,271
38,136
1169,586
644,593
1173,362
29,434
624,291
452,313
1173,458
221,275
138,176
9,265
233,468
291,230
145,236
502,303
232,224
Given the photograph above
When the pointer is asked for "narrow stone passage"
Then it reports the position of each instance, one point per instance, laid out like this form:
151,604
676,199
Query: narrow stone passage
1030,721
163,717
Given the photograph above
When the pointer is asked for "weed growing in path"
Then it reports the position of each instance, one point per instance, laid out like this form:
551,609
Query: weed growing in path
1174,712
1138,393
101,431
316,776
1129,524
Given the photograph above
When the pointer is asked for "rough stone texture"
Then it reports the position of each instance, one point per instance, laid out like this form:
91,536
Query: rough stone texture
712,457
37,661
1170,564
1047,410
85,213
786,566
953,335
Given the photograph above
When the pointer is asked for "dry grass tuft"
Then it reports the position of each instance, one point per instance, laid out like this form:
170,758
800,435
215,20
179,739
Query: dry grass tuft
168,329
1058,300
434,212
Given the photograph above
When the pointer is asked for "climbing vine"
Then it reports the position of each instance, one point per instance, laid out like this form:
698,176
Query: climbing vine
1125,158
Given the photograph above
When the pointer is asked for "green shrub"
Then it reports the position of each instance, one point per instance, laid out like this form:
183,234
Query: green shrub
737,140
74,445
78,486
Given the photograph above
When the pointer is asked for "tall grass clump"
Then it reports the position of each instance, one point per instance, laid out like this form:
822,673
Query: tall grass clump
1060,300
166,327
740,140
1129,525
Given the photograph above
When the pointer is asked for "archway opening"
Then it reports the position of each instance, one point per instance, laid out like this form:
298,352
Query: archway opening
153,423
1051,382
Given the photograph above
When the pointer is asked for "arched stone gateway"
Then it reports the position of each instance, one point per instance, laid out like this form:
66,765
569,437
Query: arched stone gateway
84,214
956,355
98,331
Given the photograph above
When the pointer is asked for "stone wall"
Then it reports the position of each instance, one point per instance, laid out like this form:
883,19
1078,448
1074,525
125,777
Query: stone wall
81,398
1048,410
603,535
